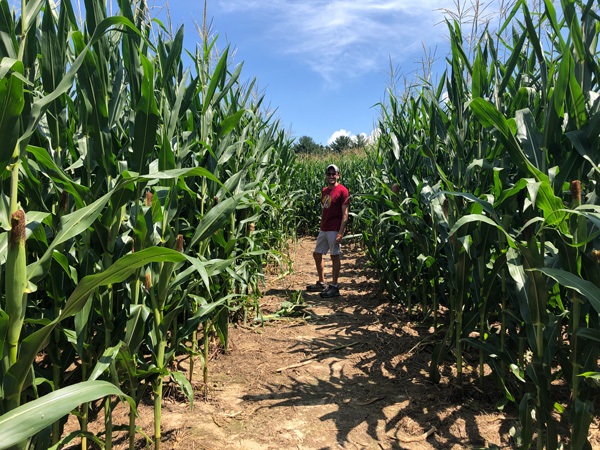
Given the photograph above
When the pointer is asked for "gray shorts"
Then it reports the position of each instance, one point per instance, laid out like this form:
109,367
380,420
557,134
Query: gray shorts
326,242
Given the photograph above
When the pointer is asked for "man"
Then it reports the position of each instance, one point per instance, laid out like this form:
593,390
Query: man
335,202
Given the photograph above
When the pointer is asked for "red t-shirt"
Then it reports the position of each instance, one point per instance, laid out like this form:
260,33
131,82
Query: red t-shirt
332,201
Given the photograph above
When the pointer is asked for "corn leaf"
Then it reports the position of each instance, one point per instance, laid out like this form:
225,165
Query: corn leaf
11,106
214,219
146,120
26,420
217,76
118,272
567,279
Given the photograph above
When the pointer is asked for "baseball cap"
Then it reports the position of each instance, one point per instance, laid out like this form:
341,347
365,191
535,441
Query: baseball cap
336,168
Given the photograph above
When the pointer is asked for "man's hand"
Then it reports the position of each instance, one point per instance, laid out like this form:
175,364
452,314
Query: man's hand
338,239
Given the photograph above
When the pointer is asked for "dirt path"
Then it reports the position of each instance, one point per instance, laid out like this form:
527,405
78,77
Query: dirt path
352,375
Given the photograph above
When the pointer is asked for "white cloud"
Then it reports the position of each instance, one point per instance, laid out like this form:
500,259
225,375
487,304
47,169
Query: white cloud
337,134
346,38
371,138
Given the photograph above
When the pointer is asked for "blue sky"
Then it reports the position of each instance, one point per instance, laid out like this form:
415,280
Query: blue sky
322,64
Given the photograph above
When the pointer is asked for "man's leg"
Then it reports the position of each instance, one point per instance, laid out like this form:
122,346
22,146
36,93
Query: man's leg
320,248
335,268
319,263
333,290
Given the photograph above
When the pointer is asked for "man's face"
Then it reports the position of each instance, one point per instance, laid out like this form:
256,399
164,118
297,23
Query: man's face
332,176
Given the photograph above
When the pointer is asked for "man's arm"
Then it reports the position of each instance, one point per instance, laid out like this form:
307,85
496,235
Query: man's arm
345,210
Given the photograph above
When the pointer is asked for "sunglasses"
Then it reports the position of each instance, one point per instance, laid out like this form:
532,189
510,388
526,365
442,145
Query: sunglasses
330,174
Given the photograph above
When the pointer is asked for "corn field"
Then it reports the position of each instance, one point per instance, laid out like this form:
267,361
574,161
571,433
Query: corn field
139,201
142,196
487,207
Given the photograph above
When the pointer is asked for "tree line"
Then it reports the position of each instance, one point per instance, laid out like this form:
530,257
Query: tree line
307,145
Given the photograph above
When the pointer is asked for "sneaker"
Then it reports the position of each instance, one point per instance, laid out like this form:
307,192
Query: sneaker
331,291
319,286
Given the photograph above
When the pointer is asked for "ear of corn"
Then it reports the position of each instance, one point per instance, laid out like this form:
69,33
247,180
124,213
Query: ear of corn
15,297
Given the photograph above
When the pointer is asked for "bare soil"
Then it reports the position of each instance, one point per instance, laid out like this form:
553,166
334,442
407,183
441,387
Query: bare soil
347,373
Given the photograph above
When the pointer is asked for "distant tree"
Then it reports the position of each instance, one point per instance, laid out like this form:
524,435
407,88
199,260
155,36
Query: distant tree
342,143
306,144
361,141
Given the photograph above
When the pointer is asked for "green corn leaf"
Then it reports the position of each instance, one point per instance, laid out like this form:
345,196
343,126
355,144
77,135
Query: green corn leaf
118,272
517,273
146,119
227,125
487,207
65,440
33,10
490,117
174,58
592,375
168,175
585,142
71,225
203,313
23,422
185,385
173,115
552,207
134,334
42,157
576,97
513,12
512,63
215,219
201,269
9,46
166,159
590,334
526,411
530,139
4,322
218,74
510,192
572,21
474,218
551,14
562,83
11,106
567,279
39,106
221,325
63,262
536,290
232,79
104,362
54,64
218,266
479,84
581,424
532,33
